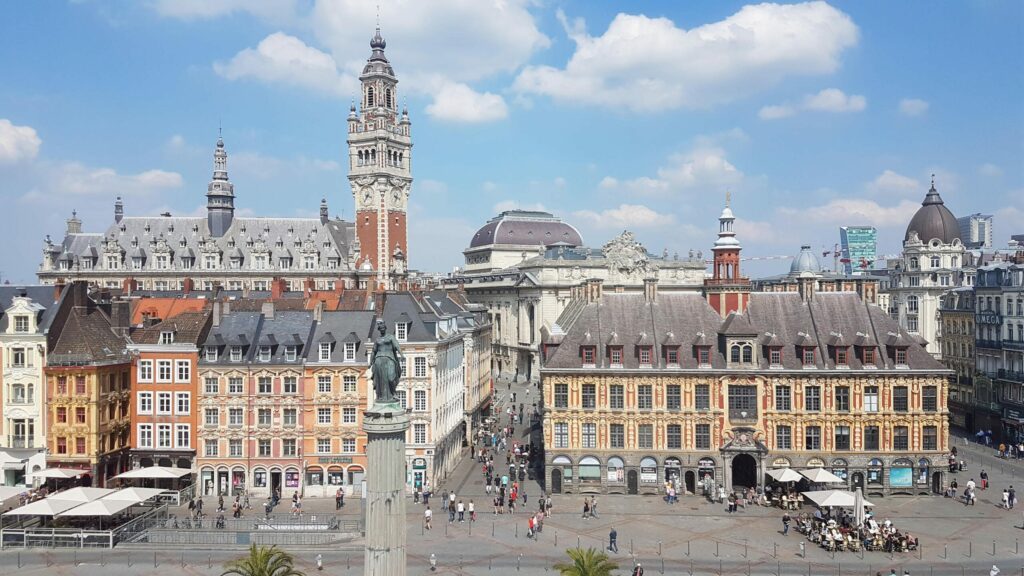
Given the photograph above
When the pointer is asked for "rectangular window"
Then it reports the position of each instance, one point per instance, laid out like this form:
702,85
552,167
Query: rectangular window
645,355
840,356
644,397
163,370
323,445
211,354
645,436
348,445
290,385
182,436
900,438
290,353
263,417
18,357
588,354
702,436
235,385
808,356
901,357
704,356
348,415
843,398
673,397
183,403
264,385
325,352
930,399
930,438
163,435
419,367
783,399
210,447
263,447
419,400
588,400
235,416
812,398
211,386
672,355
211,416
616,436
289,417
561,395
401,331
264,354
702,397
323,384
348,383
842,437
589,435
615,353
145,436
419,433
871,438
323,415
742,401
236,353
900,401
561,435
80,415
163,402
235,448
869,356
288,447
871,398
401,398
783,438
812,438
673,437
145,370
62,415
775,357
183,370
350,352
145,402
21,323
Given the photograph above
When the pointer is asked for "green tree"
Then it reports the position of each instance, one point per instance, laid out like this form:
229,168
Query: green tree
589,562
263,561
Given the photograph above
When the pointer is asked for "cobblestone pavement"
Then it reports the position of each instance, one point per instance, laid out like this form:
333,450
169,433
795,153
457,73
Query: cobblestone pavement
691,537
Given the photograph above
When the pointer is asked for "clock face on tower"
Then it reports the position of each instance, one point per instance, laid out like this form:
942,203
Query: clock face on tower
367,196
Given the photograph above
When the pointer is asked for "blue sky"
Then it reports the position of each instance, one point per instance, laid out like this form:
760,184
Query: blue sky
612,115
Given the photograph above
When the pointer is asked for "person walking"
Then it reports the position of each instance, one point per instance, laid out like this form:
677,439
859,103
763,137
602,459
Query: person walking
1013,497
339,498
785,523
593,507
427,515
984,479
638,570
472,512
586,509
1006,499
613,542
451,511
461,509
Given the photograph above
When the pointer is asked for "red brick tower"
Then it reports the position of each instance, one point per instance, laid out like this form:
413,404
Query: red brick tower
726,290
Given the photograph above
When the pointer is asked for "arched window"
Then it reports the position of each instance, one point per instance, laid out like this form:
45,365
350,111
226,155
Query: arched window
359,162
369,96
387,98
734,353
373,156
954,262
748,353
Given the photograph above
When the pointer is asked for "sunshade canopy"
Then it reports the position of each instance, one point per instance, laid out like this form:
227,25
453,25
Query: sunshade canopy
59,473
785,475
134,495
101,507
821,476
839,498
9,491
60,502
154,472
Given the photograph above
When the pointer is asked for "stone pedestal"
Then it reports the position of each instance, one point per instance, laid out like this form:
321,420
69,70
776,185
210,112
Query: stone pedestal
385,426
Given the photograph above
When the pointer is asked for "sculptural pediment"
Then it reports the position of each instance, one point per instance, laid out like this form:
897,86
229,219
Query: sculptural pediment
626,255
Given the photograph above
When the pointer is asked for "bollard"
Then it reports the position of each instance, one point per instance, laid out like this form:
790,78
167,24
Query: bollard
775,554
778,566
720,567
446,529
970,548
518,560
102,561
808,569
492,529
577,541
209,561
716,548
663,565
945,551
659,547
76,557
803,550
691,566
19,560
744,547
129,559
687,547
517,530
183,559
154,559
993,547
471,528
556,538
630,546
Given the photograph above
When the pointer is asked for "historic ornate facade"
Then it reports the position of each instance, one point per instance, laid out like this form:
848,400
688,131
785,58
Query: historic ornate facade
999,320
806,273
968,407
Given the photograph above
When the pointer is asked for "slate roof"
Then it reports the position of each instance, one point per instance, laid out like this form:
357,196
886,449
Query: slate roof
87,338
341,326
781,319
188,328
522,227
40,295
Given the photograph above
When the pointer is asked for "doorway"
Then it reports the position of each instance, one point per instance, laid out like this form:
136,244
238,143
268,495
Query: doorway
937,482
556,481
631,482
744,471
858,481
275,482
691,482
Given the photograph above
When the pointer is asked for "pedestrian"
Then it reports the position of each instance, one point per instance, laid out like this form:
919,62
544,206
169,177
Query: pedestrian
984,479
268,507
524,496
427,515
638,570
339,498
1013,497
461,509
593,507
220,503
1006,499
613,543
451,511
472,512
549,506
785,523
586,508
320,562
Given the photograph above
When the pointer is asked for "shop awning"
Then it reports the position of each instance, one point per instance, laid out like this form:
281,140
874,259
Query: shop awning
59,473
839,498
785,475
154,473
822,476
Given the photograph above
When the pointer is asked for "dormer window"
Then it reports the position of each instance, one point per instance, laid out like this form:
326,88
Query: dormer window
703,355
936,262
644,354
775,356
841,360
21,323
236,353
264,353
615,355
741,352
808,357
350,352
901,357
868,357
588,354
672,355
325,351
211,353
401,331
290,353
167,337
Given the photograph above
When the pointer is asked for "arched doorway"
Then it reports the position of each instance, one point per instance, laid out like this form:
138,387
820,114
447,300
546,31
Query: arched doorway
691,482
744,471
937,482
858,481
556,481
631,482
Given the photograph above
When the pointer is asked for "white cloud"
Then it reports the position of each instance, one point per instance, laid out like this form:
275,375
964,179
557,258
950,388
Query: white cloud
913,107
17,143
863,212
458,102
650,64
990,170
889,182
755,232
428,186
626,216
489,186
506,205
58,183
700,168
835,100
827,100
277,11
280,58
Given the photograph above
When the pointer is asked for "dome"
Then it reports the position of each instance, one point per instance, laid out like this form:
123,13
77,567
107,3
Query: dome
805,263
934,220
526,228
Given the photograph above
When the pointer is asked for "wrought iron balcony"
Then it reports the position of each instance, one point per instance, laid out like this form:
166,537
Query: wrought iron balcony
14,441
989,344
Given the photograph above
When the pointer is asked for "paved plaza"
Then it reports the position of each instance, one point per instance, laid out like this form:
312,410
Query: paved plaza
693,535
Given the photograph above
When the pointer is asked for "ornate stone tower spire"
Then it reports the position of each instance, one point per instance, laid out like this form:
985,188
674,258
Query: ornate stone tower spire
726,290
220,194
380,168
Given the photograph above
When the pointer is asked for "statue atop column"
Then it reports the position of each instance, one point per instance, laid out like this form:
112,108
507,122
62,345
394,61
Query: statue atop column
386,365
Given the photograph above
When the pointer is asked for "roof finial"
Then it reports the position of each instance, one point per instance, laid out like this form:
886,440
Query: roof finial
728,197
933,181
378,15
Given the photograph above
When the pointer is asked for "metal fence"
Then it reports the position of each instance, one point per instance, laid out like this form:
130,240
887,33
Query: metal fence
43,537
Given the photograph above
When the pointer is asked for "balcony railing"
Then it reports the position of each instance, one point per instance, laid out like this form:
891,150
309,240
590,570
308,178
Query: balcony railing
743,414
1011,375
14,441
989,344
1013,344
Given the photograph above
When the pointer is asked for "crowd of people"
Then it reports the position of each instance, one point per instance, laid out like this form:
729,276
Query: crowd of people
839,531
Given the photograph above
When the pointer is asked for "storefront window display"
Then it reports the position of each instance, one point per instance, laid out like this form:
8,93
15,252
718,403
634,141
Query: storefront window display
291,479
615,472
875,471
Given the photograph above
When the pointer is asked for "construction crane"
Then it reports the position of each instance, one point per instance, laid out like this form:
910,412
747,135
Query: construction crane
751,258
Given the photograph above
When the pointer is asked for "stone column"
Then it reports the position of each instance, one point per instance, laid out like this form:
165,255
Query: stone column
385,426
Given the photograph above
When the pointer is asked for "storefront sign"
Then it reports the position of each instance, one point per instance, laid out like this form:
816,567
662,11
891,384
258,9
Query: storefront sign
614,474
418,463
705,463
335,460
815,463
780,463
900,477
648,475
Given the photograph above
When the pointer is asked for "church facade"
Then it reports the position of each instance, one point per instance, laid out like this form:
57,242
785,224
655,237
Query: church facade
237,253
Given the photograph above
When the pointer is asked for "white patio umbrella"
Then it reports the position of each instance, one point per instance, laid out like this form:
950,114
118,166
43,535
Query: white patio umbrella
821,476
154,473
44,507
99,508
59,473
10,491
785,475
858,507
80,494
839,498
133,495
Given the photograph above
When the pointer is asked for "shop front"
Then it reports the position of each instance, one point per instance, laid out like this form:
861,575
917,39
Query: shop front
325,476
419,474
673,470
615,475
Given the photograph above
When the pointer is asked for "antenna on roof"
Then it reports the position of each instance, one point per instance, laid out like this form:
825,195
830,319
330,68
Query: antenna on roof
378,14
728,197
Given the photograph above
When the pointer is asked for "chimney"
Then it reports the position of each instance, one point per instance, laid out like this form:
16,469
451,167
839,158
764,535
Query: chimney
58,289
120,315
309,286
268,310
80,293
323,211
277,288
118,210
380,299
74,224
216,314
187,286
226,308
318,311
128,285
651,289
806,289
593,289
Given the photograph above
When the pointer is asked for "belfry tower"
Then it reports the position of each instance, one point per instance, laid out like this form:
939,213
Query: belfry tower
727,291
380,170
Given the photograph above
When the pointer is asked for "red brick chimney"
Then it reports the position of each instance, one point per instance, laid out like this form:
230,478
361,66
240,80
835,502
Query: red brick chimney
187,286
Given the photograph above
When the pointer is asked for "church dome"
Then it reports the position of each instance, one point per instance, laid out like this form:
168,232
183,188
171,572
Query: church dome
526,228
934,220
805,263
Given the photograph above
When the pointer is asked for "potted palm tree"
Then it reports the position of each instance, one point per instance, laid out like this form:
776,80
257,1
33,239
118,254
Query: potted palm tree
263,561
589,562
